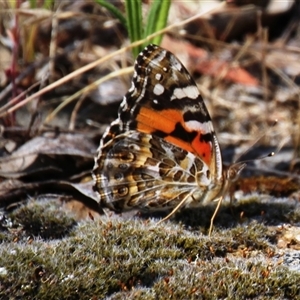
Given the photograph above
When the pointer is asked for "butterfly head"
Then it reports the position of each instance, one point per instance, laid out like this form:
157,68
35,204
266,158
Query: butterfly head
232,172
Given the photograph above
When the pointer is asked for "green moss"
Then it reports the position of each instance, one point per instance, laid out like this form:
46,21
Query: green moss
293,215
41,219
138,259
222,279
4,224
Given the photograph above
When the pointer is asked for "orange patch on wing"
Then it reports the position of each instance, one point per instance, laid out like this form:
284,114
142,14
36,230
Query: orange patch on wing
150,120
203,149
145,128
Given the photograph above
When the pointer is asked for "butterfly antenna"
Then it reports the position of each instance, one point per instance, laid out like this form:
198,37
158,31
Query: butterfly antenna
279,147
254,143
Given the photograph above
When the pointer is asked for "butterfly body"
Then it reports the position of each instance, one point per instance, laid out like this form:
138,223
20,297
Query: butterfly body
161,153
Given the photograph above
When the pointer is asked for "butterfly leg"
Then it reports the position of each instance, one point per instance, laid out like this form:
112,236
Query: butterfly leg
181,203
214,215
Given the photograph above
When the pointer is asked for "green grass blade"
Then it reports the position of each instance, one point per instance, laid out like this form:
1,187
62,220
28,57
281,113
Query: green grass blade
32,3
48,4
157,19
111,8
134,22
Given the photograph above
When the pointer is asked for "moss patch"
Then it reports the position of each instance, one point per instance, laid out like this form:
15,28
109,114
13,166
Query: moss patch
36,219
43,255
138,259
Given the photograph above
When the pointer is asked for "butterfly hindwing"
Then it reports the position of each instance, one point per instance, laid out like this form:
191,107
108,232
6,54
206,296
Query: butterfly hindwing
140,169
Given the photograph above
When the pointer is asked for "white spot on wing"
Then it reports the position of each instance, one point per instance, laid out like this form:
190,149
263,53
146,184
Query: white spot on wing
194,125
132,87
124,104
174,76
158,76
161,55
158,89
175,63
190,91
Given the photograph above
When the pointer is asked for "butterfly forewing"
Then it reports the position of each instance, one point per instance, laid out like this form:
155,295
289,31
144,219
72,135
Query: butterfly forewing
164,100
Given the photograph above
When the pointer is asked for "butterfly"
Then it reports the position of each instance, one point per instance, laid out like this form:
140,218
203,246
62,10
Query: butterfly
161,153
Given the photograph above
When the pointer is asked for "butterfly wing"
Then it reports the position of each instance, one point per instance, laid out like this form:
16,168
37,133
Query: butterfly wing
146,172
164,101
162,105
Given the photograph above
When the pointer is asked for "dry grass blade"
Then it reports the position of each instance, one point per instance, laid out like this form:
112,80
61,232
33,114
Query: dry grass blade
88,89
7,111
